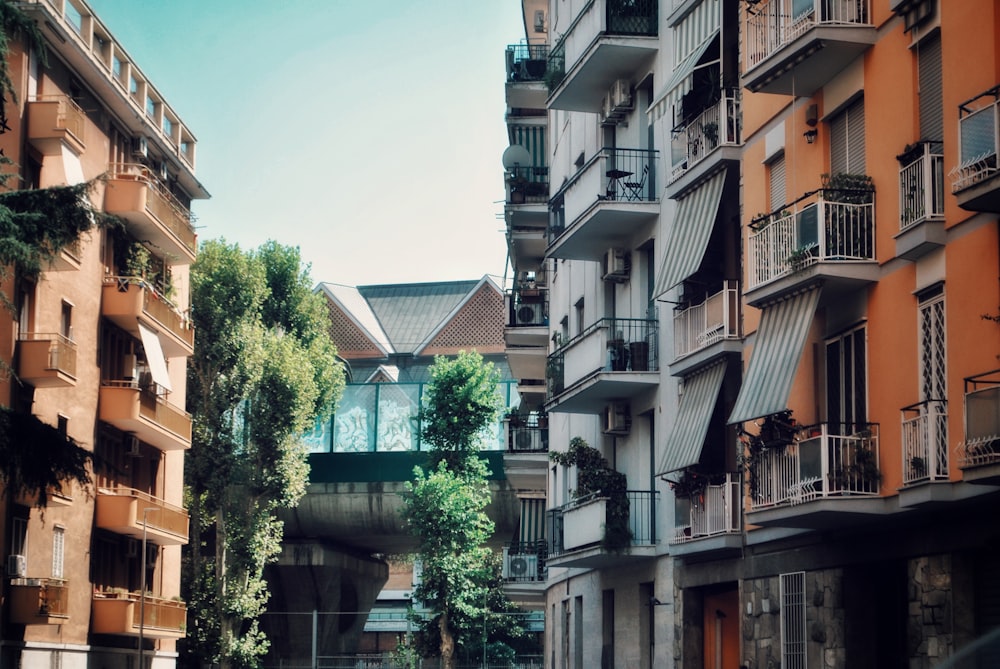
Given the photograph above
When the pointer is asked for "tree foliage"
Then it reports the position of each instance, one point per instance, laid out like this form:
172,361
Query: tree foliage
37,458
445,509
263,370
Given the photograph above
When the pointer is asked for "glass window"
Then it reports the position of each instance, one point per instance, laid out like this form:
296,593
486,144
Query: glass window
168,127
150,106
846,395
74,17
58,549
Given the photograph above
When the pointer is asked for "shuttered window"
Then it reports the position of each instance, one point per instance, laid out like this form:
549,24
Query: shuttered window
776,175
847,140
929,72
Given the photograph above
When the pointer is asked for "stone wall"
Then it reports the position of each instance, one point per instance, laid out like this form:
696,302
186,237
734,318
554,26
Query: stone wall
930,629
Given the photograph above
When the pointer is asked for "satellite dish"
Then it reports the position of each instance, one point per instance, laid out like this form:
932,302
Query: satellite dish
515,155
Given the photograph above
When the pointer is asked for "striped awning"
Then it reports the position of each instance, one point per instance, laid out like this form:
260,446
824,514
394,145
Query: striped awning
694,219
532,521
679,83
532,138
683,446
775,357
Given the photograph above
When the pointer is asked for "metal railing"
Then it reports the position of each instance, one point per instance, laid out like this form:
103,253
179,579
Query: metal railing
925,441
161,203
631,17
631,345
157,306
62,351
527,62
166,518
526,438
773,24
524,562
978,137
704,324
69,115
53,594
717,125
642,514
818,464
819,227
528,307
714,510
921,184
982,420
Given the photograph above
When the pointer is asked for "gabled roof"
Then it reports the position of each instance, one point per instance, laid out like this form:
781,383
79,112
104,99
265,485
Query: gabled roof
354,307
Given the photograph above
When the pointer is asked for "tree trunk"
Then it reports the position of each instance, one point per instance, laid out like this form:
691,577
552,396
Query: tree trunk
447,643
225,620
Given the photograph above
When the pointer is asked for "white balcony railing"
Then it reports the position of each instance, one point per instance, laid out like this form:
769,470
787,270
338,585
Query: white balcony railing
702,325
718,125
775,23
978,134
715,510
921,185
925,442
818,228
817,464
982,420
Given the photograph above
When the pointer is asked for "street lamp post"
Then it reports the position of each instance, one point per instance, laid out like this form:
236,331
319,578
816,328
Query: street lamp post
142,587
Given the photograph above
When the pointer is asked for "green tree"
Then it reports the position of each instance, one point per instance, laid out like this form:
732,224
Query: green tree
445,510
263,370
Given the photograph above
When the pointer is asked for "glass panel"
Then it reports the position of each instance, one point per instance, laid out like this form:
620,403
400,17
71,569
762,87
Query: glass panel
810,458
806,228
354,424
397,410
978,134
801,7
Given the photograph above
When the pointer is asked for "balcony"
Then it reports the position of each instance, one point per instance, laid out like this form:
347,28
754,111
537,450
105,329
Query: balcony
46,360
921,200
526,336
976,180
981,448
525,571
610,40
124,511
526,460
795,47
821,480
55,121
129,301
124,613
527,65
141,198
709,521
925,454
527,215
707,331
606,203
694,144
614,359
39,601
827,235
579,531
142,412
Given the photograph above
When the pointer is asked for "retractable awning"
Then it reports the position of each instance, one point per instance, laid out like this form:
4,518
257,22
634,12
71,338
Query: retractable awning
532,520
775,357
701,391
693,223
154,356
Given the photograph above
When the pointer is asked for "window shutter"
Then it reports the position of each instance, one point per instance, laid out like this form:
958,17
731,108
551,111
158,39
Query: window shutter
856,137
777,175
838,143
931,106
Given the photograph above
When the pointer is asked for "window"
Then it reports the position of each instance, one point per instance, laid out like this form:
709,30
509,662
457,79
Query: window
66,321
578,310
776,182
74,17
168,127
150,106
929,78
58,550
846,394
116,67
847,140
793,620
19,536
133,85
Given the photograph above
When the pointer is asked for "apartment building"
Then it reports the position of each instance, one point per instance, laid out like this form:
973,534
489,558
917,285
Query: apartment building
771,260
99,344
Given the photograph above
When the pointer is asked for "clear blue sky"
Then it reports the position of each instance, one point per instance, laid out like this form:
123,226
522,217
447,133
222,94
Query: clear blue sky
367,134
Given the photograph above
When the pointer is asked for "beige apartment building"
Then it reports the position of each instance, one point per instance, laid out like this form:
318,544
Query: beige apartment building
99,347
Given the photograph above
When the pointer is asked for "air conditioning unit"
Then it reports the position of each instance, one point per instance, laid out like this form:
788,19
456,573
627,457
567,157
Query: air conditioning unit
539,20
617,418
617,263
530,314
140,147
521,567
132,446
17,566
621,96
604,115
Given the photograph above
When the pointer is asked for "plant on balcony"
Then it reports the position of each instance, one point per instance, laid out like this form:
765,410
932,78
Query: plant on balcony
776,432
690,484
711,131
595,477
847,233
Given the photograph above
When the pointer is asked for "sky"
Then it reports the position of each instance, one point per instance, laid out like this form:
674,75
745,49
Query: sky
369,135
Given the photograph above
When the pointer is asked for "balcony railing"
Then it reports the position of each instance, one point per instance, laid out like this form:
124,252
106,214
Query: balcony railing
121,510
528,307
54,120
716,509
921,184
718,125
39,601
817,464
584,521
977,139
125,612
982,420
526,185
141,410
629,345
773,24
135,193
925,441
715,319
826,225
525,437
47,359
129,299
527,62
